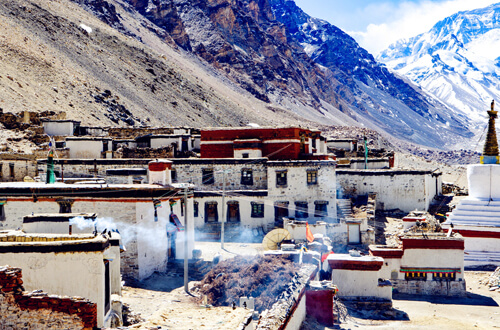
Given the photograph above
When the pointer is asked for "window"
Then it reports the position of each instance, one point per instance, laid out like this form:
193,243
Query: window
301,210
280,212
195,210
320,209
64,206
444,276
11,169
245,155
208,176
312,177
233,211
2,212
247,177
415,276
1,170
257,210
173,175
211,214
107,287
281,178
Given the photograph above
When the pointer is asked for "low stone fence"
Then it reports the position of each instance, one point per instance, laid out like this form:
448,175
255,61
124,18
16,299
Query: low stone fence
290,309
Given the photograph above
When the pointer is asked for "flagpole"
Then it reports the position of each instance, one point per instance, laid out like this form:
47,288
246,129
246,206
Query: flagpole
186,256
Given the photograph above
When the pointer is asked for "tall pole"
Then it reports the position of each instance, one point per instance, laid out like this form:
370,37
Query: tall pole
223,209
366,152
186,255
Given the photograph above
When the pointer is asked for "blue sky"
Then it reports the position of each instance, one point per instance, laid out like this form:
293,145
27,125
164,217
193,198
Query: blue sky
375,24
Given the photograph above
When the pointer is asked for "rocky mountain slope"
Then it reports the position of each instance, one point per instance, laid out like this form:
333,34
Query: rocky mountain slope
458,61
203,63
56,56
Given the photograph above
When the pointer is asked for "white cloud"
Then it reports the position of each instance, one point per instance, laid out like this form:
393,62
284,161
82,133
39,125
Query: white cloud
408,19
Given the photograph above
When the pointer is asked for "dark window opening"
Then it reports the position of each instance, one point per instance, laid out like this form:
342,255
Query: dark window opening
415,276
444,276
64,207
233,211
247,177
301,210
184,145
195,210
1,170
312,177
280,212
2,212
211,214
257,210
320,209
11,170
245,155
173,175
281,179
107,287
208,176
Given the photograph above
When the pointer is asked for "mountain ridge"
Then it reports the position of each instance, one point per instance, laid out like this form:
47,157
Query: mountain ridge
456,60
201,63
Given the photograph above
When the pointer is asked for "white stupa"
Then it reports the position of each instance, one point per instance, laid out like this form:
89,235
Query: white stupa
477,217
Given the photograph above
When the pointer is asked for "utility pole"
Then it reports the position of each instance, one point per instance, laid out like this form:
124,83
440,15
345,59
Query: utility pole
186,254
223,209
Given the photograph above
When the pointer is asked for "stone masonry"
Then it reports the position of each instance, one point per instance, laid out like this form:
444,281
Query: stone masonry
38,310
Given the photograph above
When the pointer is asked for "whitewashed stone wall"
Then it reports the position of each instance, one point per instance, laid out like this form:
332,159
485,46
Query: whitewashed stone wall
190,171
130,217
405,190
298,190
74,274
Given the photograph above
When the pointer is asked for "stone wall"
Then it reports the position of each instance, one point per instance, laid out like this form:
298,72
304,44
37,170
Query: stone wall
434,288
16,169
38,310
191,170
290,309
402,189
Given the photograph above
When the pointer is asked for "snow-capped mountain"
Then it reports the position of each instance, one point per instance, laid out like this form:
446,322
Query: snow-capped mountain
458,61
381,98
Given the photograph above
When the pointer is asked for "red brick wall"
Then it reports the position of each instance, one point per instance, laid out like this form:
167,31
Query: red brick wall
19,309
319,304
275,151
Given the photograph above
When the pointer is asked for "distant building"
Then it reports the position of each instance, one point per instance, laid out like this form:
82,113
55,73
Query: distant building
406,190
61,127
288,143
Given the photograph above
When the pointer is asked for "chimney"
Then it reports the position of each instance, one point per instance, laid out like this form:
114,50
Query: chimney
159,172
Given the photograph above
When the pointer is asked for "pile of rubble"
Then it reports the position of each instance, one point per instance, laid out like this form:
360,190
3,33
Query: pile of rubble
261,277
493,281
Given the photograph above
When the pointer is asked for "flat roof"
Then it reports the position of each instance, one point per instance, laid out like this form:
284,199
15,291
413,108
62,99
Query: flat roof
16,241
39,189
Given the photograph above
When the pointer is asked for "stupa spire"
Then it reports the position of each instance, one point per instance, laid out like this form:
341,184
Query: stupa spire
490,151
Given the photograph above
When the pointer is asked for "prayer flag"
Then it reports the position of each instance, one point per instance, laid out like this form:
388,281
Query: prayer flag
309,234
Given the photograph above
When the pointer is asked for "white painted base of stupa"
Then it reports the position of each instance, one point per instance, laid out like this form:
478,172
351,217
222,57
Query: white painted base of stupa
477,217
